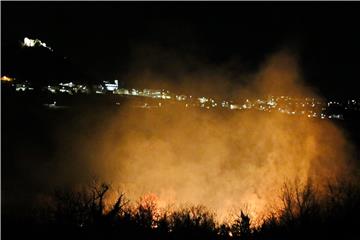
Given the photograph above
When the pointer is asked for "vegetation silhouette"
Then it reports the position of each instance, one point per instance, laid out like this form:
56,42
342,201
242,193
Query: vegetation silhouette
306,212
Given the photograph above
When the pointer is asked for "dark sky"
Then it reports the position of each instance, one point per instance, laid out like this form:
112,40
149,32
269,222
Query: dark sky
102,38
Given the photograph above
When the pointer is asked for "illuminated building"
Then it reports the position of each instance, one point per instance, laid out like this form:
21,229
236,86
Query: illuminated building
34,43
23,87
122,91
111,86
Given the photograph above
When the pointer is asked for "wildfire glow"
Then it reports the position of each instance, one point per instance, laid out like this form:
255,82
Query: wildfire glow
224,162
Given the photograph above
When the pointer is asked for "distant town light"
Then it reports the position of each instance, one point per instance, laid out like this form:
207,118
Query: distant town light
202,99
7,79
111,86
33,42
29,42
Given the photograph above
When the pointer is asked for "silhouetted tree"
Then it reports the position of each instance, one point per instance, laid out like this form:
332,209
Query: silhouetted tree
306,213
241,228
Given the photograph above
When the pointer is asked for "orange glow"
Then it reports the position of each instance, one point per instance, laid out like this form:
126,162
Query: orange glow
7,79
224,161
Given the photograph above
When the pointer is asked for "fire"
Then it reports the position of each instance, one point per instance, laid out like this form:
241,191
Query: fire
223,161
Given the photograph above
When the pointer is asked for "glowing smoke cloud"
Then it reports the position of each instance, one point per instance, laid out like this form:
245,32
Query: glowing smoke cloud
222,161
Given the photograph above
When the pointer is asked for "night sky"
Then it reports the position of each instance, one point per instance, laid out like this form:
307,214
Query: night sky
102,38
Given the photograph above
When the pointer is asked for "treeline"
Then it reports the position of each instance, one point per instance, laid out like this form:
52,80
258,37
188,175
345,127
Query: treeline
307,212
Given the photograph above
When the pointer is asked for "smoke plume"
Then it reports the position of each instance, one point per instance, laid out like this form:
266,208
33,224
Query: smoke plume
218,159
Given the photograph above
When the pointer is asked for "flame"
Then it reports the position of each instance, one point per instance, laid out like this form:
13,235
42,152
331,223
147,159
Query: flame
227,161
222,161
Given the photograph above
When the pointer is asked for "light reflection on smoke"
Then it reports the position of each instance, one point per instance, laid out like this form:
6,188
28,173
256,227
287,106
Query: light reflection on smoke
223,161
